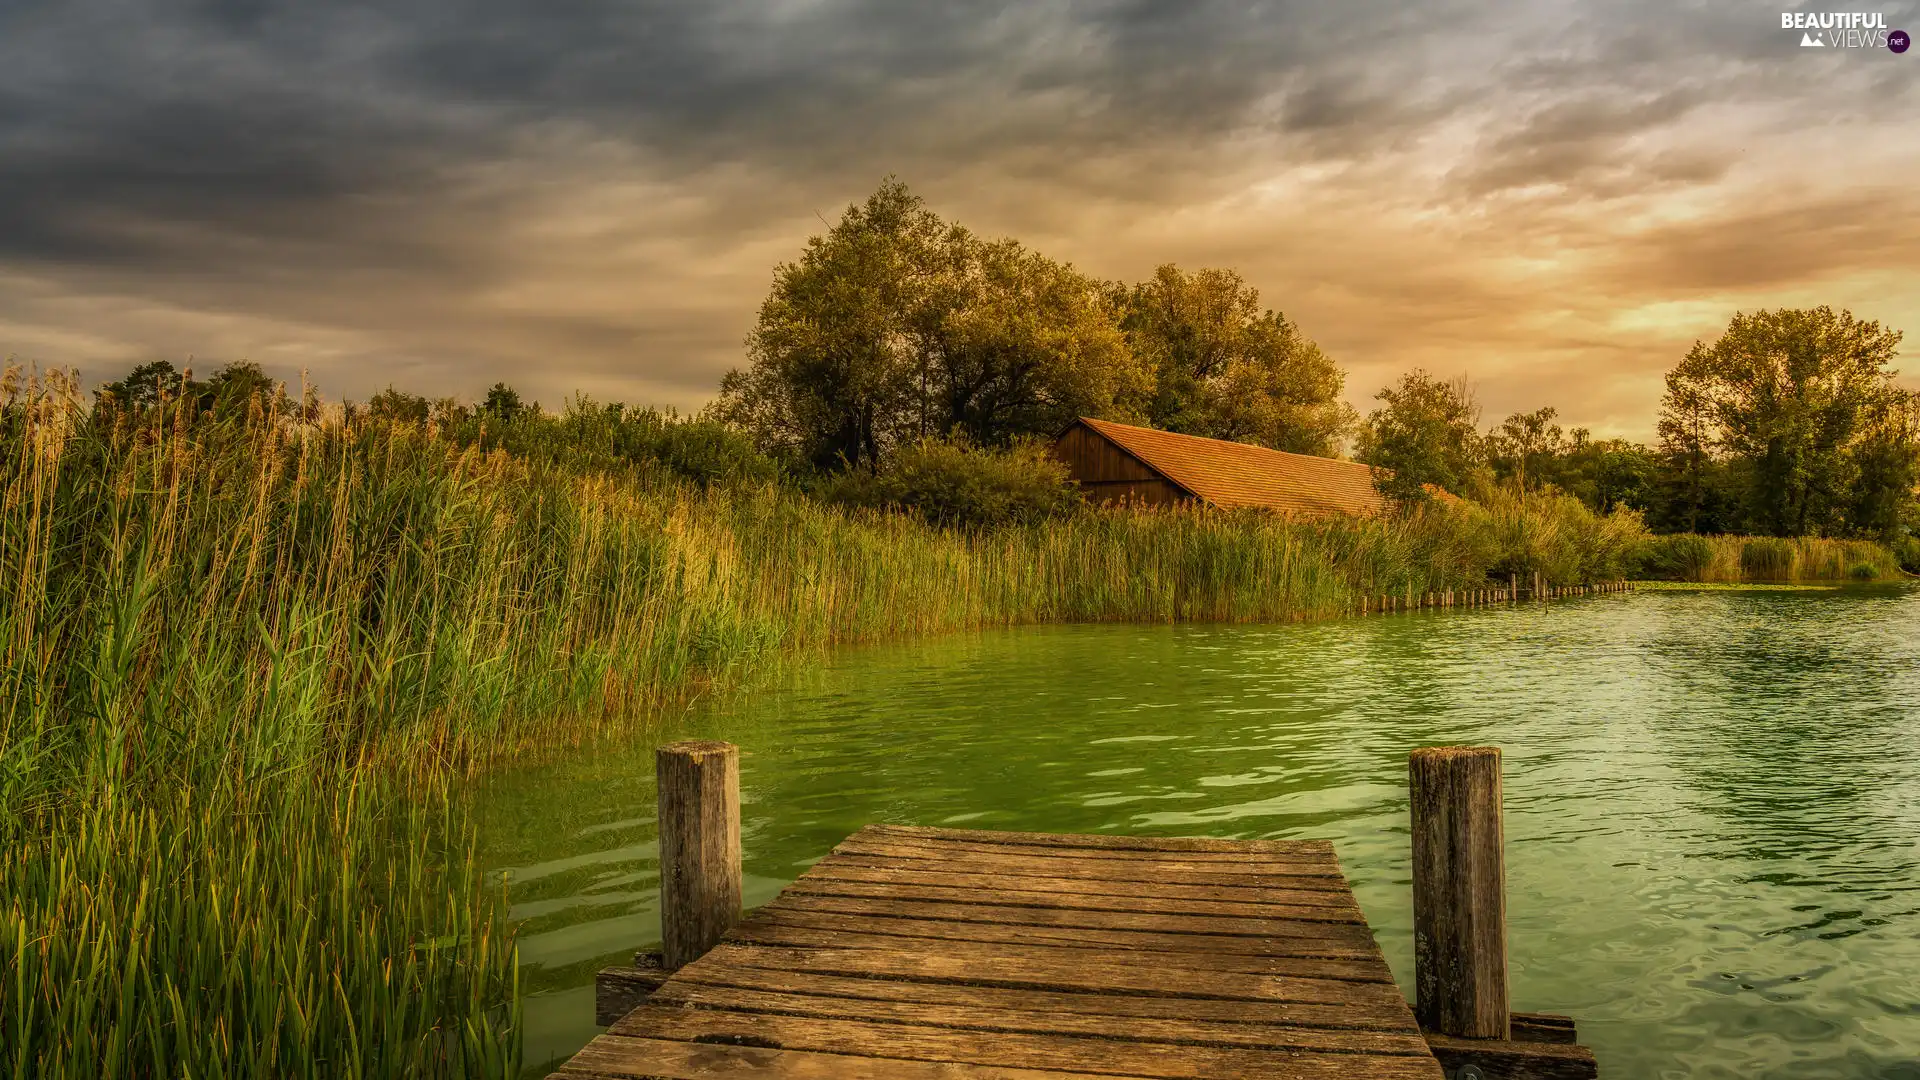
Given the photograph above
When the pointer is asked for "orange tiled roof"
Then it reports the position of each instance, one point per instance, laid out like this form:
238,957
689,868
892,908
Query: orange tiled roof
1235,474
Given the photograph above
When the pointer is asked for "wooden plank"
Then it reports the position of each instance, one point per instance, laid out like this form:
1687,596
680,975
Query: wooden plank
1389,1017
977,1016
934,954
844,870
984,941
619,990
1500,1059
1544,1027
915,847
916,1042
826,885
1354,935
619,1057
1016,969
1111,842
1164,873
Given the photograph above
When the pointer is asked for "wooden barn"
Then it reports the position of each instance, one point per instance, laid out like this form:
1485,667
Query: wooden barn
1122,463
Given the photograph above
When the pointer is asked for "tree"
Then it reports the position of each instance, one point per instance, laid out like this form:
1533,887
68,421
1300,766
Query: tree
1797,403
399,406
1883,503
1225,369
896,327
1009,343
235,387
230,392
831,372
1691,480
145,385
502,401
1607,473
1426,433
1526,447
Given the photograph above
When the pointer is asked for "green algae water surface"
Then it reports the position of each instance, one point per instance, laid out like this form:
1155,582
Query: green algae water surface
1712,798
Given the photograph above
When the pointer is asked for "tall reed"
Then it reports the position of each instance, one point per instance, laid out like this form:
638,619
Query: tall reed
1733,559
235,651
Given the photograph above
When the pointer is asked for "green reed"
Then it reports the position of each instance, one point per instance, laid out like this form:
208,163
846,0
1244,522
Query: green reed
239,657
1733,559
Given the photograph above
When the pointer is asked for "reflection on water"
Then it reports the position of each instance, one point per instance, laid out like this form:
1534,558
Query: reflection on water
1713,799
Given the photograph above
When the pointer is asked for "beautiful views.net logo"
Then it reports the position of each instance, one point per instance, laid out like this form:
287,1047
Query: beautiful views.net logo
1844,30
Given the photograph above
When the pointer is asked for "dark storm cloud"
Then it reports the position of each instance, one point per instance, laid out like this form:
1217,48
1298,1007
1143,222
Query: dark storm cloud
265,117
593,193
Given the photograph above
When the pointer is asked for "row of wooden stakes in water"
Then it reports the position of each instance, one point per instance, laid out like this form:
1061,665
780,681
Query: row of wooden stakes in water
1388,603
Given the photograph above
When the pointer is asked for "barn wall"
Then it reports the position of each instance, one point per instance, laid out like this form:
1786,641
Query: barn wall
1107,473
1138,492
1091,459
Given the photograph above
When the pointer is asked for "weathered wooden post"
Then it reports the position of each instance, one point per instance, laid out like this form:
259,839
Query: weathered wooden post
699,847
1459,892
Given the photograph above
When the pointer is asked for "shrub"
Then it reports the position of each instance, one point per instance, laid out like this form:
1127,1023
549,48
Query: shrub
953,483
707,452
1906,551
1551,532
1863,571
654,445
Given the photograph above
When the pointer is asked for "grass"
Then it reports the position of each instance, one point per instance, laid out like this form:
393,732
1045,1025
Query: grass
239,658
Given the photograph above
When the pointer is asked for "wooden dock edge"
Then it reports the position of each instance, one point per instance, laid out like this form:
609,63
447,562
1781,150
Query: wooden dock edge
1513,1059
1527,1046
618,991
1543,1046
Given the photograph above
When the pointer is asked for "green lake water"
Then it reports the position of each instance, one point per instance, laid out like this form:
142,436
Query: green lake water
1712,798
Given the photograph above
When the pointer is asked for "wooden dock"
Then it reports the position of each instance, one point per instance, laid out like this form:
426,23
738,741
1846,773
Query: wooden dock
948,954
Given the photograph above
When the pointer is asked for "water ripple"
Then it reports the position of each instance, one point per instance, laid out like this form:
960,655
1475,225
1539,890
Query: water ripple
1713,799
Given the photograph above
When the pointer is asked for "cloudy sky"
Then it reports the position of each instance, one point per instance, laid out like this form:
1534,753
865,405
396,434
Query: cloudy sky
1555,199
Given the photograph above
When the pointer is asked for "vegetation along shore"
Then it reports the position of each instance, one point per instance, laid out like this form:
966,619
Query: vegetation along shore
246,636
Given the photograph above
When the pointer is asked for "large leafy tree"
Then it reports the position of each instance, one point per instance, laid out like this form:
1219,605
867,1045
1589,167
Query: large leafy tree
1225,368
1010,343
831,372
896,326
1424,435
1801,407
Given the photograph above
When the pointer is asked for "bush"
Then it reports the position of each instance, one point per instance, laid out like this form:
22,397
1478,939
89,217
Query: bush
1907,551
1549,532
708,452
953,483
654,445
1863,572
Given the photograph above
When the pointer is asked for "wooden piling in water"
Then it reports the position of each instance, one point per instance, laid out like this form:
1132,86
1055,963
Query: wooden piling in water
699,847
1459,892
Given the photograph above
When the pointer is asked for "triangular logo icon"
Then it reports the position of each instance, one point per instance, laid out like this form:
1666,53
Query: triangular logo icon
1808,41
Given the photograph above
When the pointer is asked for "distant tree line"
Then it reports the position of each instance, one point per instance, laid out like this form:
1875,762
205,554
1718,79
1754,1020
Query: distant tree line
1790,424
897,327
902,359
